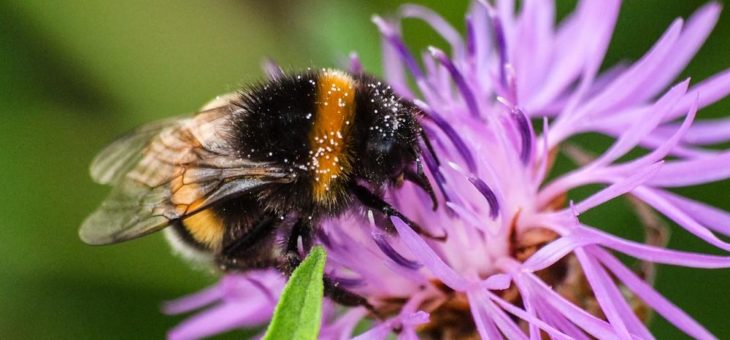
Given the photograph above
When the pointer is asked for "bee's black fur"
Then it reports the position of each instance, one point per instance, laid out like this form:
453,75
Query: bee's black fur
276,119
273,126
383,151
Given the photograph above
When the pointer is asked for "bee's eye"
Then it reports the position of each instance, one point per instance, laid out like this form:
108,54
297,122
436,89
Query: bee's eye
380,147
385,157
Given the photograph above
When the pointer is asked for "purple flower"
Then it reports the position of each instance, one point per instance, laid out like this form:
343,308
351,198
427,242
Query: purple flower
518,261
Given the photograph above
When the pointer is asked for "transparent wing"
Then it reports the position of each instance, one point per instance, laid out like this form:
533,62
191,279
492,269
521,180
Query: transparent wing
129,211
121,155
110,164
186,166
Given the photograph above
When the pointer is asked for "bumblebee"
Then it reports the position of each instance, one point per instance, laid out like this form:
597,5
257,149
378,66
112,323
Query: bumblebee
242,182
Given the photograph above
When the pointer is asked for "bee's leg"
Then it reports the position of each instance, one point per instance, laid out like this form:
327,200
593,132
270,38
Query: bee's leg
419,178
372,201
345,297
261,230
292,257
332,289
240,254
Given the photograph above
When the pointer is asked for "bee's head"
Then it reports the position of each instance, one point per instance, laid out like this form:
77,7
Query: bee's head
389,134
387,156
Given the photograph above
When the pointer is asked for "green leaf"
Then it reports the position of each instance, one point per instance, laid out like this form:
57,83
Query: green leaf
298,314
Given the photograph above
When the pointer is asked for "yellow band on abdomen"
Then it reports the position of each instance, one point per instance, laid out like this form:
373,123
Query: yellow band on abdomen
335,105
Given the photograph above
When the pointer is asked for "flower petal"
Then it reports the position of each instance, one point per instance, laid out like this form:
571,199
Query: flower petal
677,215
655,254
436,22
636,132
396,58
553,252
527,317
621,91
194,301
355,66
485,324
619,188
428,257
711,217
704,132
694,34
392,254
222,318
709,91
541,292
464,89
651,297
612,303
682,173
664,149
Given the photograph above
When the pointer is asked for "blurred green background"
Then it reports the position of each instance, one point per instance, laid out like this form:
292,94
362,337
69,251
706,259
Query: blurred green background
76,73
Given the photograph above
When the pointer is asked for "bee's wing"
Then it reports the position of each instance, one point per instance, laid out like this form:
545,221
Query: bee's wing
130,211
184,167
110,164
118,157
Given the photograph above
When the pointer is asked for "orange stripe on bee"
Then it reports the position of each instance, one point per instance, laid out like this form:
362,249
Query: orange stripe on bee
205,226
335,105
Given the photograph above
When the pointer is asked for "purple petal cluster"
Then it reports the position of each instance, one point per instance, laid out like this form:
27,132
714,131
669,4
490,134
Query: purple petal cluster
519,262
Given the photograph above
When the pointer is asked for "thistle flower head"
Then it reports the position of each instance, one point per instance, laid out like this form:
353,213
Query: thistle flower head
519,261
